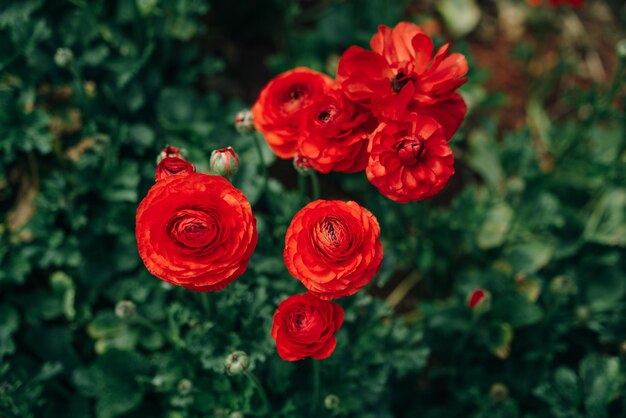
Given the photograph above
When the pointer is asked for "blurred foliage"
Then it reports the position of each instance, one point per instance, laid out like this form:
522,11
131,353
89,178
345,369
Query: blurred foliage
90,91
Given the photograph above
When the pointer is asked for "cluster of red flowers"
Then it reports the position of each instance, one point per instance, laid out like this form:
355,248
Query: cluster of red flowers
390,111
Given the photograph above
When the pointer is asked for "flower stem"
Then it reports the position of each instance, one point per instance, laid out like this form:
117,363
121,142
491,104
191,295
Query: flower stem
204,297
259,389
302,187
315,184
257,144
316,388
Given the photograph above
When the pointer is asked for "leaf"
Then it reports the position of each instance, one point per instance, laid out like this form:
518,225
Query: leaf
607,223
493,231
530,257
484,159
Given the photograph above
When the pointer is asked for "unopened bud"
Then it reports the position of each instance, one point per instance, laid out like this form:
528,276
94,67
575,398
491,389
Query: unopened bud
125,309
479,300
244,123
623,347
620,47
331,402
185,386
499,392
173,166
583,313
170,152
302,164
224,162
237,362
563,286
63,57
236,414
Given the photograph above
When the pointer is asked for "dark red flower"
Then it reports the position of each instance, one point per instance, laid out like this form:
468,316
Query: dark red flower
335,134
173,166
409,159
333,248
400,70
278,111
304,326
195,231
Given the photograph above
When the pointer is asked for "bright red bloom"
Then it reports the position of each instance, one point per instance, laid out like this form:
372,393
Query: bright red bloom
278,111
195,231
400,70
304,326
173,166
335,134
557,3
409,159
333,248
476,297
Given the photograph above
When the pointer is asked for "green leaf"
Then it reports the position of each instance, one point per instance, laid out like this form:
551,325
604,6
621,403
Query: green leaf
607,223
494,230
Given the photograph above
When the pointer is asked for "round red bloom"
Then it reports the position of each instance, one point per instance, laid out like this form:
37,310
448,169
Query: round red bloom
410,159
333,248
278,111
335,134
400,70
304,326
173,166
195,231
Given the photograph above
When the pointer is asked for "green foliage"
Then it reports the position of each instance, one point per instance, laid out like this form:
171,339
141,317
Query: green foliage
536,215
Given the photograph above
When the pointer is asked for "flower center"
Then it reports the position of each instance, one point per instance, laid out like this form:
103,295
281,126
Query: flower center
399,81
410,149
193,228
332,238
294,98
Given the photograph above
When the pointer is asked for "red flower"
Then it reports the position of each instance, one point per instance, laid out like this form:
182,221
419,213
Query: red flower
335,134
173,166
410,159
400,70
332,247
278,111
195,231
557,3
476,297
304,326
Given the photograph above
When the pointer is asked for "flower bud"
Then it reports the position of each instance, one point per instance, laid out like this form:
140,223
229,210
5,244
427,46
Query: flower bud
63,57
243,122
170,152
563,286
302,164
219,413
172,166
236,414
499,392
583,313
185,386
224,162
622,347
237,362
331,402
479,300
620,47
125,309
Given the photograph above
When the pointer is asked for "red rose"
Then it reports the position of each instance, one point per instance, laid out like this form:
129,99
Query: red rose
410,159
335,134
332,247
304,326
400,70
172,166
277,113
195,231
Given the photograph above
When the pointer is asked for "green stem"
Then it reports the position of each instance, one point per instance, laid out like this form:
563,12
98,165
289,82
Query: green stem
259,150
316,388
204,297
315,184
259,389
302,187
174,339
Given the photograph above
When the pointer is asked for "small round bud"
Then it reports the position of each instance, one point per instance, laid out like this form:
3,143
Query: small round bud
125,309
236,414
243,122
302,164
499,392
331,402
620,48
63,57
170,152
172,166
583,313
237,362
479,300
224,162
185,386
622,347
563,286
219,413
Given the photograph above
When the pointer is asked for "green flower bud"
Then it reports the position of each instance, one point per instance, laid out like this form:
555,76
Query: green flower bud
185,386
125,309
302,164
237,363
63,57
244,123
224,162
170,152
331,402
583,313
620,47
236,414
499,392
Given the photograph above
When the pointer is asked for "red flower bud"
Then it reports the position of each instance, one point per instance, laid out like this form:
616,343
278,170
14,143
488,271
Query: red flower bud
169,152
224,162
478,298
243,122
302,164
172,166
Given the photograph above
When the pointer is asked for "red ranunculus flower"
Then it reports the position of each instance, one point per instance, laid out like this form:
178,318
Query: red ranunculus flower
409,159
278,111
173,166
557,3
400,70
332,247
335,134
195,231
304,326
